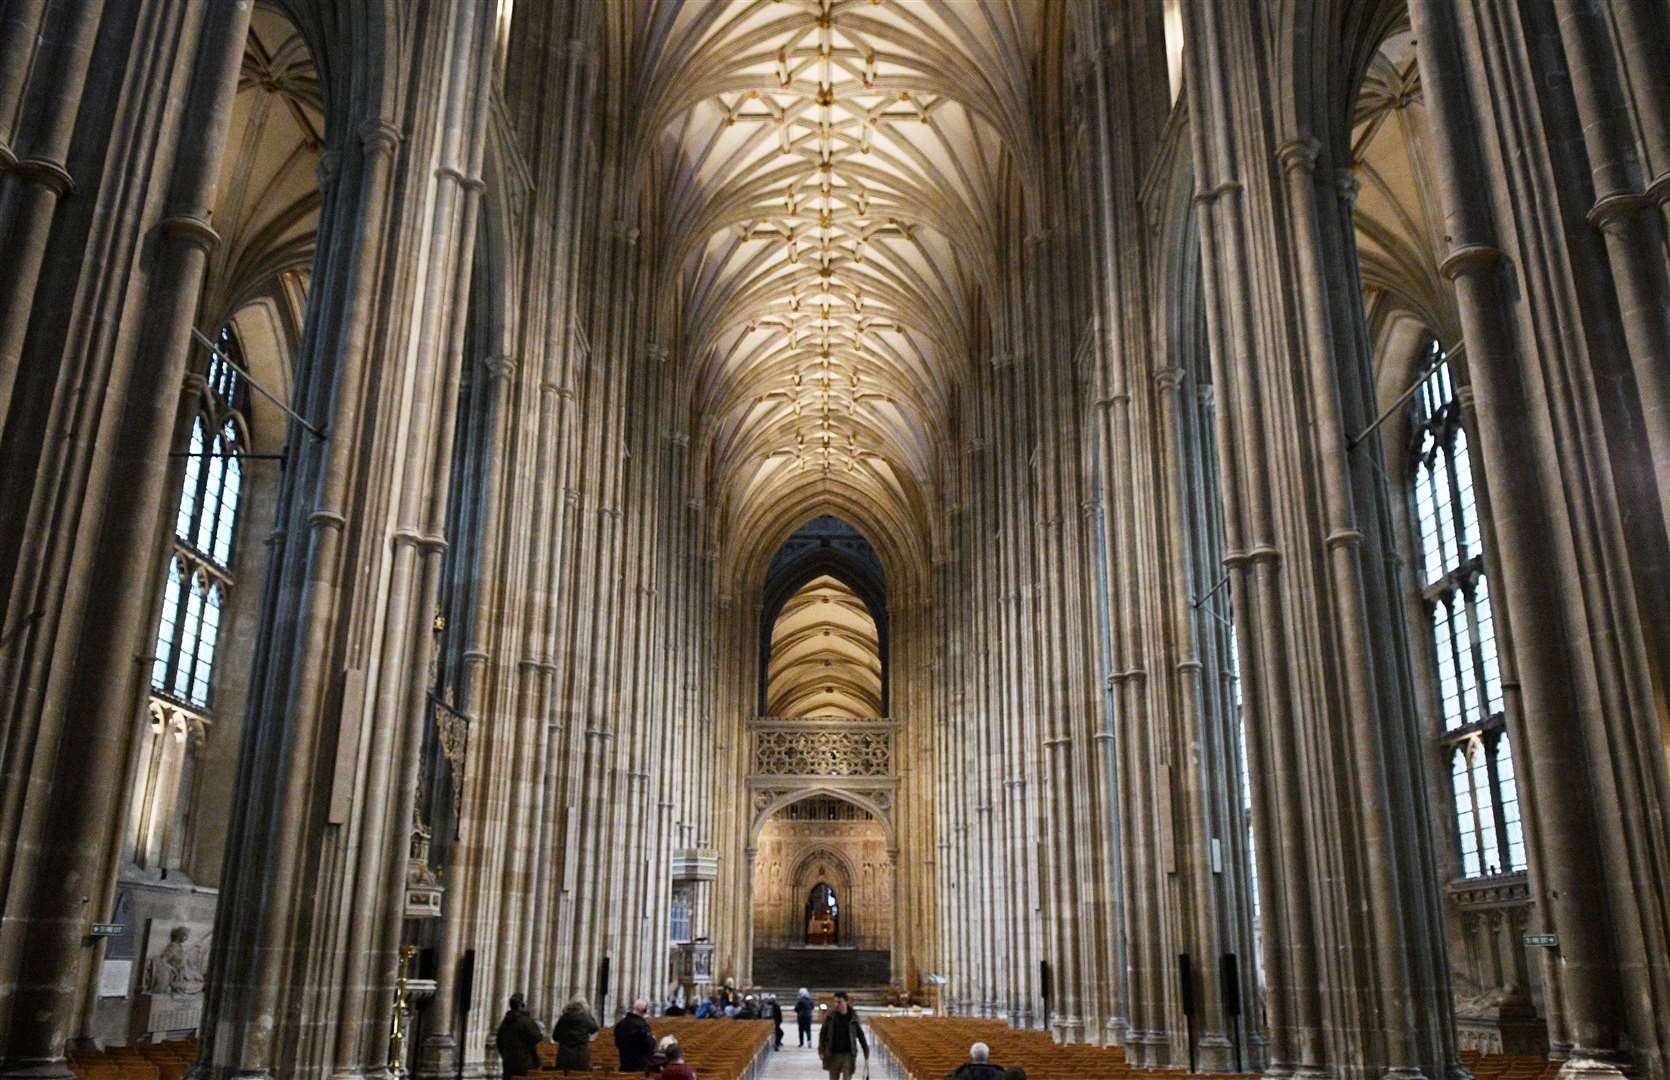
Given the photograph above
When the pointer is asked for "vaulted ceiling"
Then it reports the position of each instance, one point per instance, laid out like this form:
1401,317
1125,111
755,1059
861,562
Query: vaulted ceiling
825,655
1400,232
267,212
830,174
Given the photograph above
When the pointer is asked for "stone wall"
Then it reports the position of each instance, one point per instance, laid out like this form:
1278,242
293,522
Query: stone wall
794,856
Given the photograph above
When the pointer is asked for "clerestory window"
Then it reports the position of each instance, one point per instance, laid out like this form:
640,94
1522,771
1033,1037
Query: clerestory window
1466,666
200,565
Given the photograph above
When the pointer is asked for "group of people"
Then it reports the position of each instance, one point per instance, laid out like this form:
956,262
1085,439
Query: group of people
840,1039
979,1067
519,1036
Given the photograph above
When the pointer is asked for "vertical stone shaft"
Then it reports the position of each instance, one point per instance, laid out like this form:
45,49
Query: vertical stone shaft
63,882
33,172
1534,425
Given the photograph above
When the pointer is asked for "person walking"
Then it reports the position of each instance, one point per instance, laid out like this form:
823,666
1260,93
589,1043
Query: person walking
573,1033
518,1039
774,1011
634,1039
840,1039
803,1016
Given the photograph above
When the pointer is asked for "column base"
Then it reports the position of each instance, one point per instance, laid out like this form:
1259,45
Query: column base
1581,1066
203,1070
1214,1053
1405,1072
54,1068
438,1058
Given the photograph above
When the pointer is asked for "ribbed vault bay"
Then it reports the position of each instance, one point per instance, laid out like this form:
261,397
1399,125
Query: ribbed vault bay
828,176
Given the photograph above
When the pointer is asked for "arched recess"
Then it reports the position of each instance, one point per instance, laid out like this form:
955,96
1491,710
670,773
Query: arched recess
847,850
878,803
826,546
812,870
825,658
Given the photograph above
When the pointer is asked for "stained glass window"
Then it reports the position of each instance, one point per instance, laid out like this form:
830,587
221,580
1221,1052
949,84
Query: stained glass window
1466,666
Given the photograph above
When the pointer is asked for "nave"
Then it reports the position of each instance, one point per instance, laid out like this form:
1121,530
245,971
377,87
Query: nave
1142,521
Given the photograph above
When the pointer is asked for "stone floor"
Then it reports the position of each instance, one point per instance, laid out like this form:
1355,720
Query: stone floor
794,1063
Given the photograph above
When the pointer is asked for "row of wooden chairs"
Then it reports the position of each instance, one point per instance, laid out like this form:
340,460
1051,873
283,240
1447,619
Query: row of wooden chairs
1508,1066
143,1061
928,1048
715,1049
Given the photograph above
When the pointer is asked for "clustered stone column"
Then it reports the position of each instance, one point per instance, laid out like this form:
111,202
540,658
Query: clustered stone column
1553,170
1346,873
593,750
110,286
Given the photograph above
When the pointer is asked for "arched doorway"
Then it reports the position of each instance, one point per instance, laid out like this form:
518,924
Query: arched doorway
823,897
823,915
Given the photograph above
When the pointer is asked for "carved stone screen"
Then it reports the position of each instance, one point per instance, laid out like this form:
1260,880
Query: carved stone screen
806,750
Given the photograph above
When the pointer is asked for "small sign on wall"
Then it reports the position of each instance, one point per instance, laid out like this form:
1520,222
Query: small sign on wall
115,977
1547,941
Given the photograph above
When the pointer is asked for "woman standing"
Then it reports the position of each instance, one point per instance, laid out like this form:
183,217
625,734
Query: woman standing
573,1033
803,1016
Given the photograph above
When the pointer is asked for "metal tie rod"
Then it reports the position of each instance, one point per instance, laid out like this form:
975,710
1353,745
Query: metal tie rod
1398,402
233,454
268,394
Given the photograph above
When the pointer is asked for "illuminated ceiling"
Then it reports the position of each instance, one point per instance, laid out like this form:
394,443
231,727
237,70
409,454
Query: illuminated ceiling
267,209
825,655
831,172
1400,233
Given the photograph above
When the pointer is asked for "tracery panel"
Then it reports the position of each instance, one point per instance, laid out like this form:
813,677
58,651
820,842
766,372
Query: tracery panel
1466,665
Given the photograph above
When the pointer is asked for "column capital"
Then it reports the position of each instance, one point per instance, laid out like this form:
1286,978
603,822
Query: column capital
1469,258
379,136
1299,155
41,171
195,230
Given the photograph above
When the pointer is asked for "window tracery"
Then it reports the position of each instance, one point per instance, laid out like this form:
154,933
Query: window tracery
1466,664
199,567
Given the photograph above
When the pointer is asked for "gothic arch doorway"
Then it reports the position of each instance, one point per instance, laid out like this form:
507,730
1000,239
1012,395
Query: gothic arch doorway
823,915
823,897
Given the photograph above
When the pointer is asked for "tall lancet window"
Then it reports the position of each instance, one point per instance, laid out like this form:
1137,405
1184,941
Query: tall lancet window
199,569
1465,662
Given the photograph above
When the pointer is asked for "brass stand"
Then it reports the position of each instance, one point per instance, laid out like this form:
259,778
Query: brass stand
402,1009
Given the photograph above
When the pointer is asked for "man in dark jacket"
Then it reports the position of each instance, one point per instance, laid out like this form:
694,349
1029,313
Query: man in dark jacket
634,1039
978,1066
774,1013
519,1038
840,1039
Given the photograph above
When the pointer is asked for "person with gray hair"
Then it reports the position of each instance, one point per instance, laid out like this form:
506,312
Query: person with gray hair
978,1066
573,1033
634,1039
